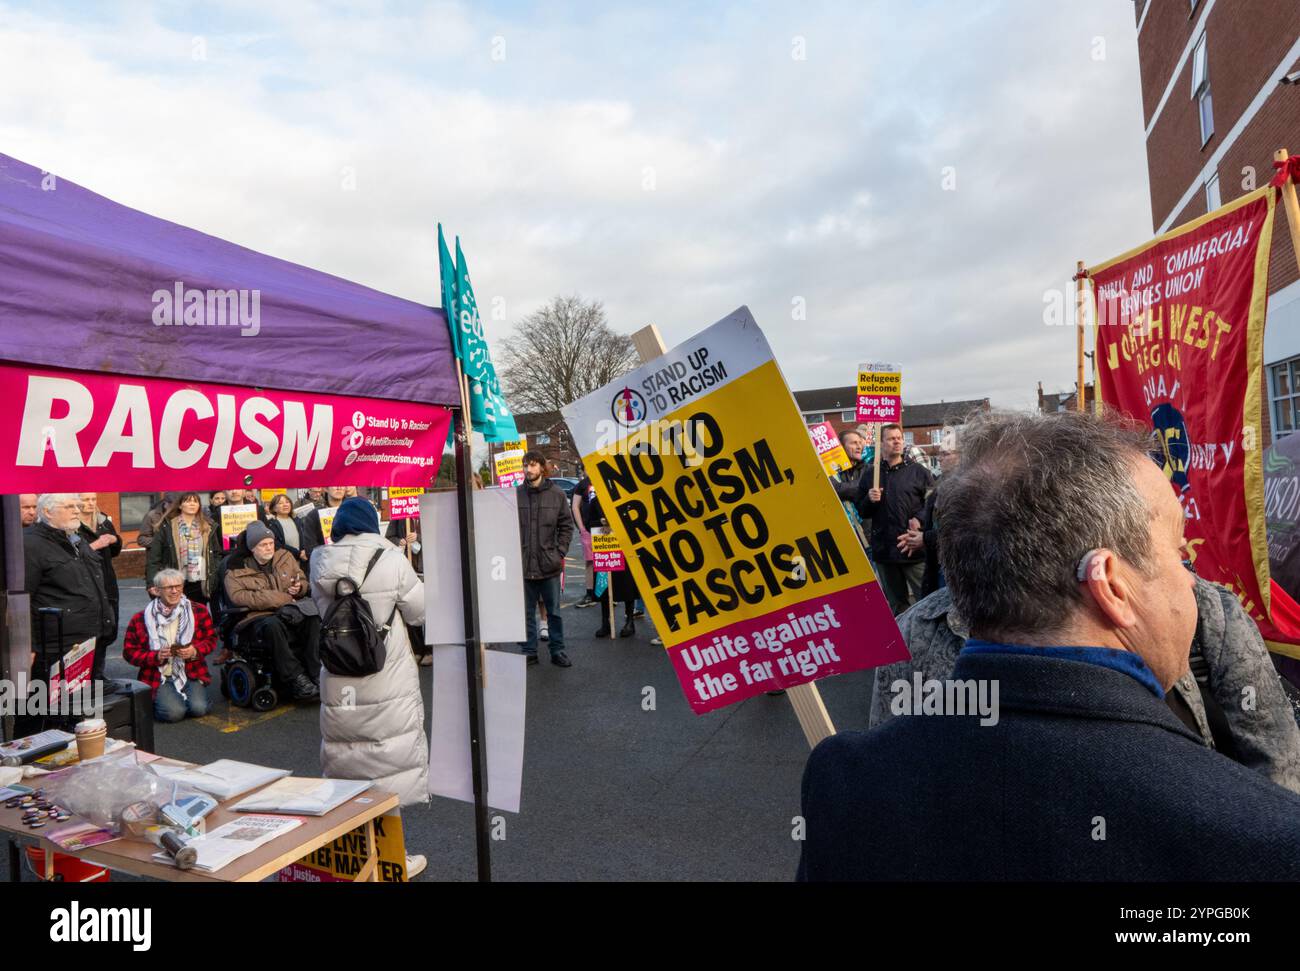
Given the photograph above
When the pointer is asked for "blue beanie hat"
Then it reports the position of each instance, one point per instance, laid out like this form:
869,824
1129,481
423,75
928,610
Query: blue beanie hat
355,515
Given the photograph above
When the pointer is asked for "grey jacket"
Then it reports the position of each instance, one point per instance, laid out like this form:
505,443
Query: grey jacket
1262,724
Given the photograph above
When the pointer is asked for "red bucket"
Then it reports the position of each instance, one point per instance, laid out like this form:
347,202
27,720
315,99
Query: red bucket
68,869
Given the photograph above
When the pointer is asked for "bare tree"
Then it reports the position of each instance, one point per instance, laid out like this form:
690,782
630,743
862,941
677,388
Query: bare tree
561,352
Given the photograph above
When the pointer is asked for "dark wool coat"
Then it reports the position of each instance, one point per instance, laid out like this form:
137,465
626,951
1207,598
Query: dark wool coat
1087,775
545,529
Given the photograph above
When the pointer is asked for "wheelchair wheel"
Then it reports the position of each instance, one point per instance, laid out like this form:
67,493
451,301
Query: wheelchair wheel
264,699
240,682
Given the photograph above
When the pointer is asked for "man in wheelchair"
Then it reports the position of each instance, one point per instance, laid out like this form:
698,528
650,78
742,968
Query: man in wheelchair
270,588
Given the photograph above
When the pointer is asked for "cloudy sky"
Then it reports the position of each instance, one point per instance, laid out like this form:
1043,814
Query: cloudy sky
907,178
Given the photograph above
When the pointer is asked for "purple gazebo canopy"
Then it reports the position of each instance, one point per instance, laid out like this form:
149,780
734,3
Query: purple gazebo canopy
82,284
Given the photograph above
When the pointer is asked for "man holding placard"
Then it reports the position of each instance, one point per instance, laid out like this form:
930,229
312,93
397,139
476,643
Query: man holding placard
889,507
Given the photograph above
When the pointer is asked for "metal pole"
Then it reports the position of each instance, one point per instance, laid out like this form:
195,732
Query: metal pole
15,603
473,669
1079,313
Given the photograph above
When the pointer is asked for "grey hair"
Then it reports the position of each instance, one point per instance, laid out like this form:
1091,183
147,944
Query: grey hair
47,500
1033,495
162,576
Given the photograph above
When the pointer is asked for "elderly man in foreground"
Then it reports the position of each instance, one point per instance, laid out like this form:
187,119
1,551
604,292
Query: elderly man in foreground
1063,549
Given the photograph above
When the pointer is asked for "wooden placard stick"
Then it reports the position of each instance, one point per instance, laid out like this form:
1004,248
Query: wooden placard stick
875,457
806,700
1291,205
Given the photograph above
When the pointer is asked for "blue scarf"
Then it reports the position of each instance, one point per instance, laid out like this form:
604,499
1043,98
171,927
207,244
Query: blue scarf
1105,657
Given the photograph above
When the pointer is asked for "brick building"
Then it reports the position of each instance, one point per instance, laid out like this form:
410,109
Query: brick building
547,433
1064,400
1215,110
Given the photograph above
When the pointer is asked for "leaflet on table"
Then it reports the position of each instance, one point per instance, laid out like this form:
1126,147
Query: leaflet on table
225,844
304,797
31,746
224,778
69,755
80,835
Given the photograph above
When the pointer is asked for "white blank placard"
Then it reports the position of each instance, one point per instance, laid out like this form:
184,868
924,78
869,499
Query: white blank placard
504,693
497,558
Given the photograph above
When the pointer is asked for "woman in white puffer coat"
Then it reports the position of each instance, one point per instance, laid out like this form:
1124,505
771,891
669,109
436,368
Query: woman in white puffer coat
372,727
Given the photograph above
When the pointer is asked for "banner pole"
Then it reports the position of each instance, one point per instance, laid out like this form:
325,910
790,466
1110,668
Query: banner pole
474,662
806,700
1291,205
1080,273
609,589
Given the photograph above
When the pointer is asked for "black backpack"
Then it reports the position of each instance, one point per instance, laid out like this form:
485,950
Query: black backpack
351,643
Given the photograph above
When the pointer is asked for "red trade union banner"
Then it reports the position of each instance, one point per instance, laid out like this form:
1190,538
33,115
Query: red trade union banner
1180,347
73,431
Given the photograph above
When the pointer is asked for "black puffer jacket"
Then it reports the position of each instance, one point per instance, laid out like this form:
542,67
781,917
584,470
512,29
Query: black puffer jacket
545,529
69,577
905,486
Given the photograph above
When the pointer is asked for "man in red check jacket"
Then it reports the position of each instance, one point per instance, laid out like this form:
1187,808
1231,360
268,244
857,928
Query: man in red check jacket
169,641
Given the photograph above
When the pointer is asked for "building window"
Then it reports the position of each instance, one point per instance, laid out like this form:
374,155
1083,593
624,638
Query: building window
936,436
1285,396
135,505
1212,198
909,438
1201,89
848,416
814,417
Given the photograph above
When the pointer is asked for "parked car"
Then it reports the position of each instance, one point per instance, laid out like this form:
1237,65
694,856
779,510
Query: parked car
565,483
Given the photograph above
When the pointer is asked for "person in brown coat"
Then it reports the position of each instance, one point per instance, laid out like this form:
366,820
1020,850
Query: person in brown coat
271,586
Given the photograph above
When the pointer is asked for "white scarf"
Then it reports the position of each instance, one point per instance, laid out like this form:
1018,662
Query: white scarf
156,620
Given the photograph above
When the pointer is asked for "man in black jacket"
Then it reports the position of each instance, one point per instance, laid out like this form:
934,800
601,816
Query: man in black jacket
847,482
545,529
1050,754
63,572
889,509
923,533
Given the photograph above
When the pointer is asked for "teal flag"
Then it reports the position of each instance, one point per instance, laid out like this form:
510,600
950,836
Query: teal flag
474,350
505,431
447,279
488,412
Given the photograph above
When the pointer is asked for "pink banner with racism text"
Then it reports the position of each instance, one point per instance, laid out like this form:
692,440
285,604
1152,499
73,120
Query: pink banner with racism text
70,431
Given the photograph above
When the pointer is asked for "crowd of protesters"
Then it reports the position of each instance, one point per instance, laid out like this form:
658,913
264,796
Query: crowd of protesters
1047,557
70,546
